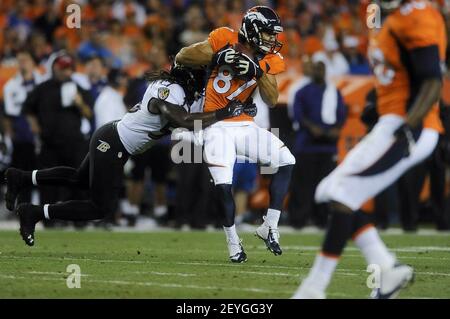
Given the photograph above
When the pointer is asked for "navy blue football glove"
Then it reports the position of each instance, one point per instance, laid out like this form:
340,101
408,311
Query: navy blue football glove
232,109
225,56
250,108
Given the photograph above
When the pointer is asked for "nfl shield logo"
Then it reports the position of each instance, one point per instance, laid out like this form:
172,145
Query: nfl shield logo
163,93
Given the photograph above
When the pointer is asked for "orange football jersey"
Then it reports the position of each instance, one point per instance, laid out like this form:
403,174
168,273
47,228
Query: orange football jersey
222,87
415,24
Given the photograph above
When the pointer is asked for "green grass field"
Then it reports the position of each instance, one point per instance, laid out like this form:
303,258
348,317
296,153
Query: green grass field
195,265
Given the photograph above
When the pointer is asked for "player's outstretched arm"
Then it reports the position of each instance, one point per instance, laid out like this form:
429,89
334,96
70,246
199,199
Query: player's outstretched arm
180,118
197,54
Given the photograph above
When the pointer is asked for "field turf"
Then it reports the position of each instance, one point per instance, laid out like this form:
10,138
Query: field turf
195,265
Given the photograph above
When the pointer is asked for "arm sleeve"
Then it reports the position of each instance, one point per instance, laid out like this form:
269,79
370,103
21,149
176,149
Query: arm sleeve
425,62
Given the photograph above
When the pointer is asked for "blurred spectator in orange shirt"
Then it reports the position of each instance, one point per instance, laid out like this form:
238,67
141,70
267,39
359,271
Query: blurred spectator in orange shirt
292,43
235,14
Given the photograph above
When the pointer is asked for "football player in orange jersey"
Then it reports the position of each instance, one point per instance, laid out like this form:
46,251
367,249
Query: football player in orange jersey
243,65
406,55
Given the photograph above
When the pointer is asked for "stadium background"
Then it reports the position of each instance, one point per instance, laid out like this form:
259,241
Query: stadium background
139,36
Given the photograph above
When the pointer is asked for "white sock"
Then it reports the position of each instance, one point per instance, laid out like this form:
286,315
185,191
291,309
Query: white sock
46,215
33,177
373,248
160,210
320,274
129,209
272,217
231,234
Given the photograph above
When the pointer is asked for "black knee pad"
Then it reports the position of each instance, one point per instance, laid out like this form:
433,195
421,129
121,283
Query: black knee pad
338,233
360,220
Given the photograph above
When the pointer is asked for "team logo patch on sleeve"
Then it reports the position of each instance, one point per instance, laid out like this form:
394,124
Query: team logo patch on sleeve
163,93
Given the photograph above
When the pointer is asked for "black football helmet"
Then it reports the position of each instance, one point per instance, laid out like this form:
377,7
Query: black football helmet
191,80
257,20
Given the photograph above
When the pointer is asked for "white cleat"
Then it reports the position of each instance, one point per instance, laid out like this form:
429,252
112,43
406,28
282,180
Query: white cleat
392,280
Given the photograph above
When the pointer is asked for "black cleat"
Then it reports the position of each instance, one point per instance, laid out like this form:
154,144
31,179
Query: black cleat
239,254
240,257
28,216
14,184
270,236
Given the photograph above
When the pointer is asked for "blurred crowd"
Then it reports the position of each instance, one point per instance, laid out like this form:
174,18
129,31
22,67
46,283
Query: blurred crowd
136,36
118,41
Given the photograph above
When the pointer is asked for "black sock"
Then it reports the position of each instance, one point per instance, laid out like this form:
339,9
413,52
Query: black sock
279,186
225,195
338,232
75,210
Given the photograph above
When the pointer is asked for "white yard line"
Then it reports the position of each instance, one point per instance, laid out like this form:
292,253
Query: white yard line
157,273
51,273
343,271
173,285
153,284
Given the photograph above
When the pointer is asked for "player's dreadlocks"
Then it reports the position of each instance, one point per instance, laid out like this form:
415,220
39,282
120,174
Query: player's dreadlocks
191,80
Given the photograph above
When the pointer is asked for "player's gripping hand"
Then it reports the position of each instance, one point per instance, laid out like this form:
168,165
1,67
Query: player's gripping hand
225,56
247,68
404,135
232,109
250,108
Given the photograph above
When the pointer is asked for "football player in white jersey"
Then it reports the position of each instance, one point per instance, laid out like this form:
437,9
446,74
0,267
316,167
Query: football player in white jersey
164,106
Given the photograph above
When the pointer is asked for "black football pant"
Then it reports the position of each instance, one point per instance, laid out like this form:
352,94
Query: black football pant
101,172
